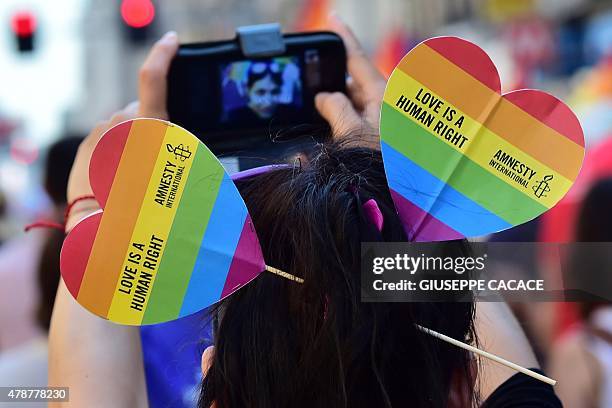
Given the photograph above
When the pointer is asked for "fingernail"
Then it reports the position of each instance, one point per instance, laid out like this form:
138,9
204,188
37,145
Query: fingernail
170,36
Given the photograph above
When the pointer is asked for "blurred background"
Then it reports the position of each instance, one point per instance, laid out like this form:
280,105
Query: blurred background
66,64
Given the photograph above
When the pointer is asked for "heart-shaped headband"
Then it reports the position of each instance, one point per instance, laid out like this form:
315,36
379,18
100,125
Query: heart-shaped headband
175,236
463,160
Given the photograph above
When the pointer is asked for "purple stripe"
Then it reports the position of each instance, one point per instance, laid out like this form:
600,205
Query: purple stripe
248,260
420,226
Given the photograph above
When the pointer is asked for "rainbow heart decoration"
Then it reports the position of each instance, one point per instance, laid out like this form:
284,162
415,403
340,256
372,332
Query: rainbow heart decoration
174,235
463,160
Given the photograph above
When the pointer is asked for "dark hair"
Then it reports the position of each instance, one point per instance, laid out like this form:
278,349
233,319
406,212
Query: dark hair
253,77
48,276
594,222
60,157
283,344
590,264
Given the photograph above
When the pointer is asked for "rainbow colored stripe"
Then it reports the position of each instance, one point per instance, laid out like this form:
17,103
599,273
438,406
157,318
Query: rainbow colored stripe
442,191
203,245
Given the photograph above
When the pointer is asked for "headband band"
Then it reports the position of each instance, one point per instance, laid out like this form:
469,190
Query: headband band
256,171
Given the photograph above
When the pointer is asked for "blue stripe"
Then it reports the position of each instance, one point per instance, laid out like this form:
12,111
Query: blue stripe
217,250
434,196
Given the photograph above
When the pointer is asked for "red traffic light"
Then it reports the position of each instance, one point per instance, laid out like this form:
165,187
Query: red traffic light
137,13
23,23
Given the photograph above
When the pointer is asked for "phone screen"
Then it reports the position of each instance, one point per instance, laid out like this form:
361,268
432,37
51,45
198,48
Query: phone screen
223,97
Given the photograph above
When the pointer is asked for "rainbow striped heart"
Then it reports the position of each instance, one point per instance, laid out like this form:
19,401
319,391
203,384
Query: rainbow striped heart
461,159
174,235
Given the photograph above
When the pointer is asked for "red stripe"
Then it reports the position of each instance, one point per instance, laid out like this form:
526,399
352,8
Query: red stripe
420,226
549,110
248,261
75,252
105,160
469,57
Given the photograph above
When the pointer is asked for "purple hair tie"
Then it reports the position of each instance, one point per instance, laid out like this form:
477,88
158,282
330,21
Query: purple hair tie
373,213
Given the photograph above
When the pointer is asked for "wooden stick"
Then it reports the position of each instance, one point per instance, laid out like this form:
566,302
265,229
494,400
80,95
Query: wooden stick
445,338
284,274
487,355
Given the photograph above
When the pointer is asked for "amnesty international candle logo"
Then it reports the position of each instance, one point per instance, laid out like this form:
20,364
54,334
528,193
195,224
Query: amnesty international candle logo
173,175
181,152
463,160
542,187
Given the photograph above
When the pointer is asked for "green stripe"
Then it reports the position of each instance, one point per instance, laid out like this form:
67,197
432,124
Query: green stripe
459,171
185,237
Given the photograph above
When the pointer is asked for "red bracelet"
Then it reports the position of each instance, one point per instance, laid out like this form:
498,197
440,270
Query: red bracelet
57,225
44,224
73,202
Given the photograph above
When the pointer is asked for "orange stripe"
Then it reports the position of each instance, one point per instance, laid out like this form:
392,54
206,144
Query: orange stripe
120,215
496,113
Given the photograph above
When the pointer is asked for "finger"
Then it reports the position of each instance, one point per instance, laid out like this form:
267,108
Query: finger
359,66
338,111
152,78
207,359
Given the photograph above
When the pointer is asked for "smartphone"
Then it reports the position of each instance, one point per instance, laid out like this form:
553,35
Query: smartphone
232,102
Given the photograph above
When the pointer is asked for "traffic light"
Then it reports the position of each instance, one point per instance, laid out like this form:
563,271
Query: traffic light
23,24
137,16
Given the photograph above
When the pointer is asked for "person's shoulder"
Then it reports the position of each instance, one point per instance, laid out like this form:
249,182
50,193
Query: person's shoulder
572,345
572,353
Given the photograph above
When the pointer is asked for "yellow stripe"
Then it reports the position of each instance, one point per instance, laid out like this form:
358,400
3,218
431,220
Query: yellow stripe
154,219
482,143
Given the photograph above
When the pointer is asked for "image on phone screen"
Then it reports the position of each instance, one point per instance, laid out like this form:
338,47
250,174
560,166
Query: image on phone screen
254,91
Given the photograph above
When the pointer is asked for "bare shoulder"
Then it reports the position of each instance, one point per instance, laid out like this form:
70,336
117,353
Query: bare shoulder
576,369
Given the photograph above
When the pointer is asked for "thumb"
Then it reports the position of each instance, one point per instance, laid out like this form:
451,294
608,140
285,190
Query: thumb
338,111
152,84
